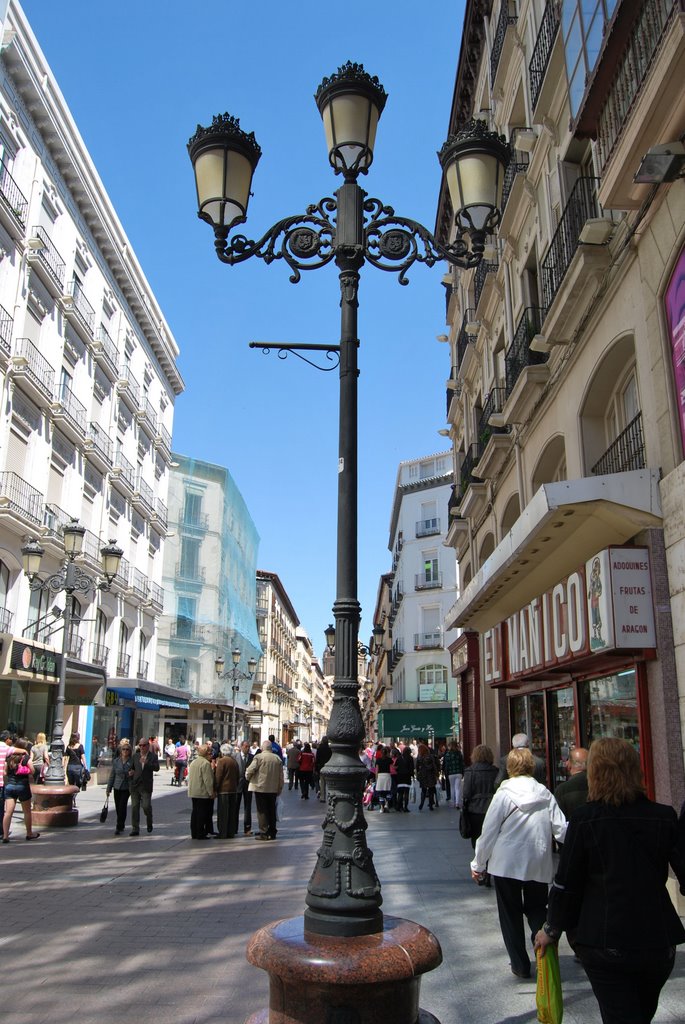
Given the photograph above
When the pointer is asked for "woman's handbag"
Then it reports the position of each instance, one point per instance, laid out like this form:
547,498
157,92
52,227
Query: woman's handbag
548,997
85,779
105,810
464,824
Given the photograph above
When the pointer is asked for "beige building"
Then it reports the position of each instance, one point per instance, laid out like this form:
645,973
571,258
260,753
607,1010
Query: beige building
566,392
274,690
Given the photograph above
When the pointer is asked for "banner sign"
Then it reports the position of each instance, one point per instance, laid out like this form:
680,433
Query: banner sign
605,605
26,658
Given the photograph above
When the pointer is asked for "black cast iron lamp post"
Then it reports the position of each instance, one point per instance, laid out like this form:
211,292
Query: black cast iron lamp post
70,579
350,229
234,674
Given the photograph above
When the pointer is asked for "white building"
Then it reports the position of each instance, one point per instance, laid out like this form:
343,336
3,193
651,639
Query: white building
424,587
89,379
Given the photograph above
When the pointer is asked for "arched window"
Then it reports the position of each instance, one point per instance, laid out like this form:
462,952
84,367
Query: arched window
123,657
75,639
551,466
486,548
432,682
142,656
512,510
100,649
610,418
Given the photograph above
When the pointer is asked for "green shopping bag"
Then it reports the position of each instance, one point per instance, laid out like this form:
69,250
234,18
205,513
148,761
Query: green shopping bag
548,997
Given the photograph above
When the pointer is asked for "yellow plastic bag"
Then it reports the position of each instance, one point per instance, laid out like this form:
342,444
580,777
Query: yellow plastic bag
548,996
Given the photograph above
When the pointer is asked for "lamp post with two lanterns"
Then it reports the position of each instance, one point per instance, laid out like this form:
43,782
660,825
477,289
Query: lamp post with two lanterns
71,579
350,229
234,674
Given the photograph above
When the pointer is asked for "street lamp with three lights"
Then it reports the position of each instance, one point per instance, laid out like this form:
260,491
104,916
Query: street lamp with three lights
234,674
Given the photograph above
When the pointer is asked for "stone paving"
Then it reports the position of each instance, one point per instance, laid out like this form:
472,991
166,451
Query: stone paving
103,927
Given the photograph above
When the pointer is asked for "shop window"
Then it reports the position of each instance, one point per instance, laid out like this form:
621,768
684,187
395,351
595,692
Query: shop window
609,708
562,725
528,715
432,683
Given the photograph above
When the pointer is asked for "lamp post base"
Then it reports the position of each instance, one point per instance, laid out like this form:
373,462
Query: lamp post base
321,979
53,806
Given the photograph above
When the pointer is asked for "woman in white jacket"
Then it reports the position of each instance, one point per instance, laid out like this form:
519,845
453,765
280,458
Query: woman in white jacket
515,847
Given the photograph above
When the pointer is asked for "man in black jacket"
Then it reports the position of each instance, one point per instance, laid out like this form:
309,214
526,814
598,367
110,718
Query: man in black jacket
244,758
145,764
519,741
573,792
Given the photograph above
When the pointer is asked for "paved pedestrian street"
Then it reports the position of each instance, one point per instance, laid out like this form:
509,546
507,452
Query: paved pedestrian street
103,927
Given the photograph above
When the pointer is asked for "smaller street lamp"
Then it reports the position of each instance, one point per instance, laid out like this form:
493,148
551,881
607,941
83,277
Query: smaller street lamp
70,578
234,674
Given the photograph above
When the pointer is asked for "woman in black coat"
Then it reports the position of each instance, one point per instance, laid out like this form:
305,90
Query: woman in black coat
610,888
405,773
478,789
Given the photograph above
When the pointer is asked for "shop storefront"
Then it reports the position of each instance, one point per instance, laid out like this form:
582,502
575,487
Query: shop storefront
29,679
417,721
573,661
132,712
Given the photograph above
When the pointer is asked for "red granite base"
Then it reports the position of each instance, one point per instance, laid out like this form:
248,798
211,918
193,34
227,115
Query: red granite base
53,806
319,979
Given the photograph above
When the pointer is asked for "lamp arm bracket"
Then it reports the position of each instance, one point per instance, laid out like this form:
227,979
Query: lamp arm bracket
396,243
71,580
284,350
305,241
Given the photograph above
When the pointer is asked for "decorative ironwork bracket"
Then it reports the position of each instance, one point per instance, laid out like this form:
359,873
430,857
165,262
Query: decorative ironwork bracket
284,350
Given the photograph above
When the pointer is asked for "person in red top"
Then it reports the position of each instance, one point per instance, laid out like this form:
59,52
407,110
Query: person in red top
305,770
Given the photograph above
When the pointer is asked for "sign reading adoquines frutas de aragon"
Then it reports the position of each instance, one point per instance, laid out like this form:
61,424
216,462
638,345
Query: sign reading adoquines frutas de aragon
605,605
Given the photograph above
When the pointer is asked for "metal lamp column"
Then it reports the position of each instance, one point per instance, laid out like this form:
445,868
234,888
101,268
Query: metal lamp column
234,674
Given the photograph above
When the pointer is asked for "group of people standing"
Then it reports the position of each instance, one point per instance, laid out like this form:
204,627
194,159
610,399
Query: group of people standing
609,891
395,768
304,763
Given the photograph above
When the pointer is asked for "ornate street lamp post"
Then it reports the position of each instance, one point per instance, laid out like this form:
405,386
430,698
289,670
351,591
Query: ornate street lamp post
349,229
71,579
234,674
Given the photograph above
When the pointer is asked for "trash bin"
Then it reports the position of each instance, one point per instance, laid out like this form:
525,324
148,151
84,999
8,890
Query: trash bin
103,769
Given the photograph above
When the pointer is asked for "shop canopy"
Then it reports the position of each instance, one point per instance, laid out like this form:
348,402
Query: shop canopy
415,722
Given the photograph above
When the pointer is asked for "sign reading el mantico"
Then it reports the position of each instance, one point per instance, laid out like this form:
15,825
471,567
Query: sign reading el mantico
605,605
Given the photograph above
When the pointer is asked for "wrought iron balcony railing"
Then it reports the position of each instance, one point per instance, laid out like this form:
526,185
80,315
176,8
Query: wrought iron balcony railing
479,278
464,338
194,574
423,641
549,26
519,354
100,441
582,205
75,646
428,581
428,527
12,196
107,345
125,468
142,669
632,70
494,403
6,618
6,324
517,165
123,662
139,582
19,496
157,594
504,21
69,404
626,453
471,459
99,654
30,361
82,306
49,257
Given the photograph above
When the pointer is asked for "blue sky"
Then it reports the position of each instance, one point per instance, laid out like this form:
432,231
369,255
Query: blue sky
138,77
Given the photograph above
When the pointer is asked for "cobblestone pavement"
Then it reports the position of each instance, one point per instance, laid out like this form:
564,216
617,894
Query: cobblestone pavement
103,927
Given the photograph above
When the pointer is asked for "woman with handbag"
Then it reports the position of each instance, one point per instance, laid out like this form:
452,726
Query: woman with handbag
477,792
120,781
427,769
75,759
18,778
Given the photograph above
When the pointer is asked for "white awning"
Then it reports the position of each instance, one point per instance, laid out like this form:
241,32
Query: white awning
562,526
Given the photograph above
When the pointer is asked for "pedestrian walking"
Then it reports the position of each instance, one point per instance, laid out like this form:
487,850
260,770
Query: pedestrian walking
244,758
142,774
323,756
383,779
477,793
610,887
170,753
201,792
427,769
40,758
305,770
405,773
119,782
75,760
453,768
226,779
18,775
181,762
515,846
265,778
292,753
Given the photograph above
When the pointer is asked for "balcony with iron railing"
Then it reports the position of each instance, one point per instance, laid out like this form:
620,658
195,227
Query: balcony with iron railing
493,434
14,205
427,580
78,310
139,583
142,670
542,52
465,340
143,497
196,522
428,527
69,413
35,374
75,646
99,654
516,169
626,453
428,641
191,572
128,387
633,67
494,403
146,416
519,355
6,325
161,514
162,441
123,663
123,472
582,206
505,21
43,256
480,278
471,458
99,447
6,620
20,499
106,353
157,595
